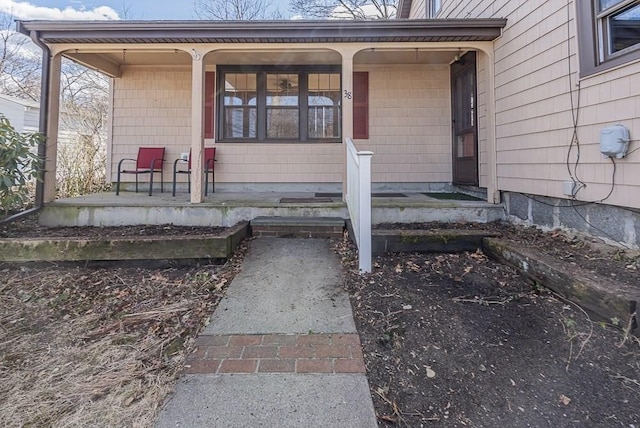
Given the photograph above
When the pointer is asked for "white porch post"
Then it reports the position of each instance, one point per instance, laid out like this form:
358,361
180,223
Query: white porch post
347,110
197,128
53,124
493,194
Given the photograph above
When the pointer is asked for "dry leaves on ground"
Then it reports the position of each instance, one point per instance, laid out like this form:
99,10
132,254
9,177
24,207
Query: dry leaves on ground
98,347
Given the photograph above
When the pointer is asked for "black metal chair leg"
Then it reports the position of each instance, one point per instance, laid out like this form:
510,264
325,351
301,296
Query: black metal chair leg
151,184
173,193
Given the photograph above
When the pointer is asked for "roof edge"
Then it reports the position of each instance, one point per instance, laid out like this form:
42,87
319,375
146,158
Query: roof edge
25,27
327,31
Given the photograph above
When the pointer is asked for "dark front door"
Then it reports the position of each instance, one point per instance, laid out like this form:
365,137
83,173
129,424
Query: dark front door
464,121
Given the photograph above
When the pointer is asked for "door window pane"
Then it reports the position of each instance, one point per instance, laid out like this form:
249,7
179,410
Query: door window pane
465,101
465,145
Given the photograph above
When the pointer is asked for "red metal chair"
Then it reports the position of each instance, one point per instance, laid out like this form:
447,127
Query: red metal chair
149,161
209,167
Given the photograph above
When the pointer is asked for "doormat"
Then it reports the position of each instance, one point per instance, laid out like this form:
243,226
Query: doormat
388,195
305,200
373,195
453,196
328,195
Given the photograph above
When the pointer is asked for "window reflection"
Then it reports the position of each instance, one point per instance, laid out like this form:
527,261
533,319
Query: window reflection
606,4
624,29
324,105
240,116
283,102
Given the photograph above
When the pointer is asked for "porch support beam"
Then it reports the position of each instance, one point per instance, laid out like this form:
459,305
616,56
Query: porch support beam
97,62
197,127
347,110
493,193
53,124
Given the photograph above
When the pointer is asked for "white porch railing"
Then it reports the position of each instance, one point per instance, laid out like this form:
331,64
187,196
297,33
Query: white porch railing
359,201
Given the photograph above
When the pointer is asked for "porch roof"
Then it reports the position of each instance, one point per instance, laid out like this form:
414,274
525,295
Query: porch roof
333,31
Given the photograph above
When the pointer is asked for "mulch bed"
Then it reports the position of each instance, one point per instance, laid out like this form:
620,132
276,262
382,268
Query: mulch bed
29,228
580,253
461,340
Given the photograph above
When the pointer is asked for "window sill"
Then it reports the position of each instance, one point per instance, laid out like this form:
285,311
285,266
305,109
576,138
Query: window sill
611,64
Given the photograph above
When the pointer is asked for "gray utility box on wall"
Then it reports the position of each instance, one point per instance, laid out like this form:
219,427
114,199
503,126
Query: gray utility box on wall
614,141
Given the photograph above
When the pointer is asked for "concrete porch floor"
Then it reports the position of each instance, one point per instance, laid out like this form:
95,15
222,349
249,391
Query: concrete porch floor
228,208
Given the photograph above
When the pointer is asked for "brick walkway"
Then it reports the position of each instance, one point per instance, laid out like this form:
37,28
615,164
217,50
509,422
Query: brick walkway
277,353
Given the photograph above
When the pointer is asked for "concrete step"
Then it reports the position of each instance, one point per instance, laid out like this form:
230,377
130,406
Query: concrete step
300,227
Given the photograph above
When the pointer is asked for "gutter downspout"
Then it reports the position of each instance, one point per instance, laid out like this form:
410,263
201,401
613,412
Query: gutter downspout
42,125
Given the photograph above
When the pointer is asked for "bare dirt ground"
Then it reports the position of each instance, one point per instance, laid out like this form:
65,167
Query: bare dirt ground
449,339
460,340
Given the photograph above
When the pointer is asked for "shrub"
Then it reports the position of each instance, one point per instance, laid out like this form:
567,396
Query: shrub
19,165
81,167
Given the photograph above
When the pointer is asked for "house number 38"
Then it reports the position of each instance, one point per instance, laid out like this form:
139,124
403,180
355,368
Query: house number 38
347,94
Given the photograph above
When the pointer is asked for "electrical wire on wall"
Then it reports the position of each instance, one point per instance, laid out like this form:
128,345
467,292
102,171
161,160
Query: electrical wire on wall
574,147
578,184
575,116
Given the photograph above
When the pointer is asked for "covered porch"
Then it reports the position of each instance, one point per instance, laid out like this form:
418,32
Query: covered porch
178,85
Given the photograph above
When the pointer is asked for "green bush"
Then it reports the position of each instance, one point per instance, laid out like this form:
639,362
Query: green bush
19,165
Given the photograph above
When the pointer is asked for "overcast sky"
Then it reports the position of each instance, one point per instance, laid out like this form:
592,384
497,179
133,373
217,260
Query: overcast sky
107,9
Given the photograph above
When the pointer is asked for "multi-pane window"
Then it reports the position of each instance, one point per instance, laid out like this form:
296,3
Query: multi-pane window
608,33
271,104
618,26
323,99
239,106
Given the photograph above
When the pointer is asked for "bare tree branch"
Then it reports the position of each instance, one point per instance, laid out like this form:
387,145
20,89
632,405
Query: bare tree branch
19,65
84,105
235,10
125,11
344,9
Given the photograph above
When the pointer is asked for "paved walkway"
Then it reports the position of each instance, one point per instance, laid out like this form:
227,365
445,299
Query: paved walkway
281,349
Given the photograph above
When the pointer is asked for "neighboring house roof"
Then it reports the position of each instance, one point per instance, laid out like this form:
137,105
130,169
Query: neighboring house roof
20,101
404,8
333,31
22,114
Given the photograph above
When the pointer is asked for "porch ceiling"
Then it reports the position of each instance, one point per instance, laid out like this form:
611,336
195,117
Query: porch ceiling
172,57
335,31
